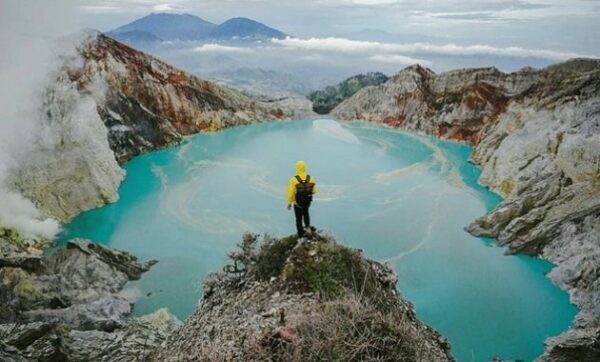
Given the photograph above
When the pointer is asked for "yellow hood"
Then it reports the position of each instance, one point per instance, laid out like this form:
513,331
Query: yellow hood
301,169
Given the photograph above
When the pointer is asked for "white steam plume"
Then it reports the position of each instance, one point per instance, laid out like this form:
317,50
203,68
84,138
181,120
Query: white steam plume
28,33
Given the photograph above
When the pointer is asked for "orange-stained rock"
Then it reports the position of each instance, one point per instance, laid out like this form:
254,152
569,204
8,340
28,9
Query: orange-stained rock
149,104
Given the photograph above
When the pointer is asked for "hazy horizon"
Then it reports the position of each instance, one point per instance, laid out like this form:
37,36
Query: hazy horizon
335,39
567,26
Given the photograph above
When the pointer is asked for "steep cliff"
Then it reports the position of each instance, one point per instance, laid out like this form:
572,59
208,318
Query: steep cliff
303,300
537,139
108,103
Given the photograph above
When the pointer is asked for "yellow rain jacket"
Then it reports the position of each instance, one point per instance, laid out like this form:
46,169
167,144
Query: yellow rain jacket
291,192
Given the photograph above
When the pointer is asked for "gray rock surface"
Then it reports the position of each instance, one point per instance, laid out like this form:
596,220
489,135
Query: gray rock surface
537,140
41,341
66,306
80,273
104,314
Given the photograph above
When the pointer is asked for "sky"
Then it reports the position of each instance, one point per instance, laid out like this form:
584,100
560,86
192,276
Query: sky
565,25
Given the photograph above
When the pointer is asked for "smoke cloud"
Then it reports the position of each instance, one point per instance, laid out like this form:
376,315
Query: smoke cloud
29,31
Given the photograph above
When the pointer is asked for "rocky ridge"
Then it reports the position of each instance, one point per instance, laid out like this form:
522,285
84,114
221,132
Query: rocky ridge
68,306
536,135
308,299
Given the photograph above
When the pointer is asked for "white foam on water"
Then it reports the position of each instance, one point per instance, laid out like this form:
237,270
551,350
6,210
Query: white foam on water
428,232
398,200
384,145
235,163
177,204
333,192
260,182
334,129
388,177
161,175
184,150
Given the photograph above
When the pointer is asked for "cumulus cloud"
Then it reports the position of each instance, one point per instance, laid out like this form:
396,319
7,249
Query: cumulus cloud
358,46
216,48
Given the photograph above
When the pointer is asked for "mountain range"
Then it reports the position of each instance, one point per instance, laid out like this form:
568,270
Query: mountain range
164,26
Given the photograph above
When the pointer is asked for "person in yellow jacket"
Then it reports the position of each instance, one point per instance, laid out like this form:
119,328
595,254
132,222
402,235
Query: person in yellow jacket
301,189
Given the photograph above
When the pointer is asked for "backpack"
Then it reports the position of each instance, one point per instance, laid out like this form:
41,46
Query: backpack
304,191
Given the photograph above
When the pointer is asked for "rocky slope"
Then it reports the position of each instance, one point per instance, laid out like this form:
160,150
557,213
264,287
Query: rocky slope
109,101
308,300
537,140
68,306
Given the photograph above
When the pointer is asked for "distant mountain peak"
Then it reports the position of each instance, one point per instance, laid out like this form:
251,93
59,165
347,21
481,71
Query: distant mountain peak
242,27
173,26
169,26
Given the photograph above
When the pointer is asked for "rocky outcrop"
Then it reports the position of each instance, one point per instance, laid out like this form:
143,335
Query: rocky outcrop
67,306
292,107
303,300
537,140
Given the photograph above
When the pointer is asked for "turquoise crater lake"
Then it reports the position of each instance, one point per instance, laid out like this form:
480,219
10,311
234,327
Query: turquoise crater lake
400,197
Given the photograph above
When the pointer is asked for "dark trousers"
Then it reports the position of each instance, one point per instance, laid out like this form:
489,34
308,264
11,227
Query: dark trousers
301,213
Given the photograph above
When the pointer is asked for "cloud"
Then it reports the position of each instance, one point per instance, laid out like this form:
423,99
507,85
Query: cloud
167,7
357,46
216,48
100,9
399,60
472,16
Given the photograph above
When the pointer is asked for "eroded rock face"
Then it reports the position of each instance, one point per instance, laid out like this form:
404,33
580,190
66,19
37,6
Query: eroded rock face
67,306
150,104
293,300
537,140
